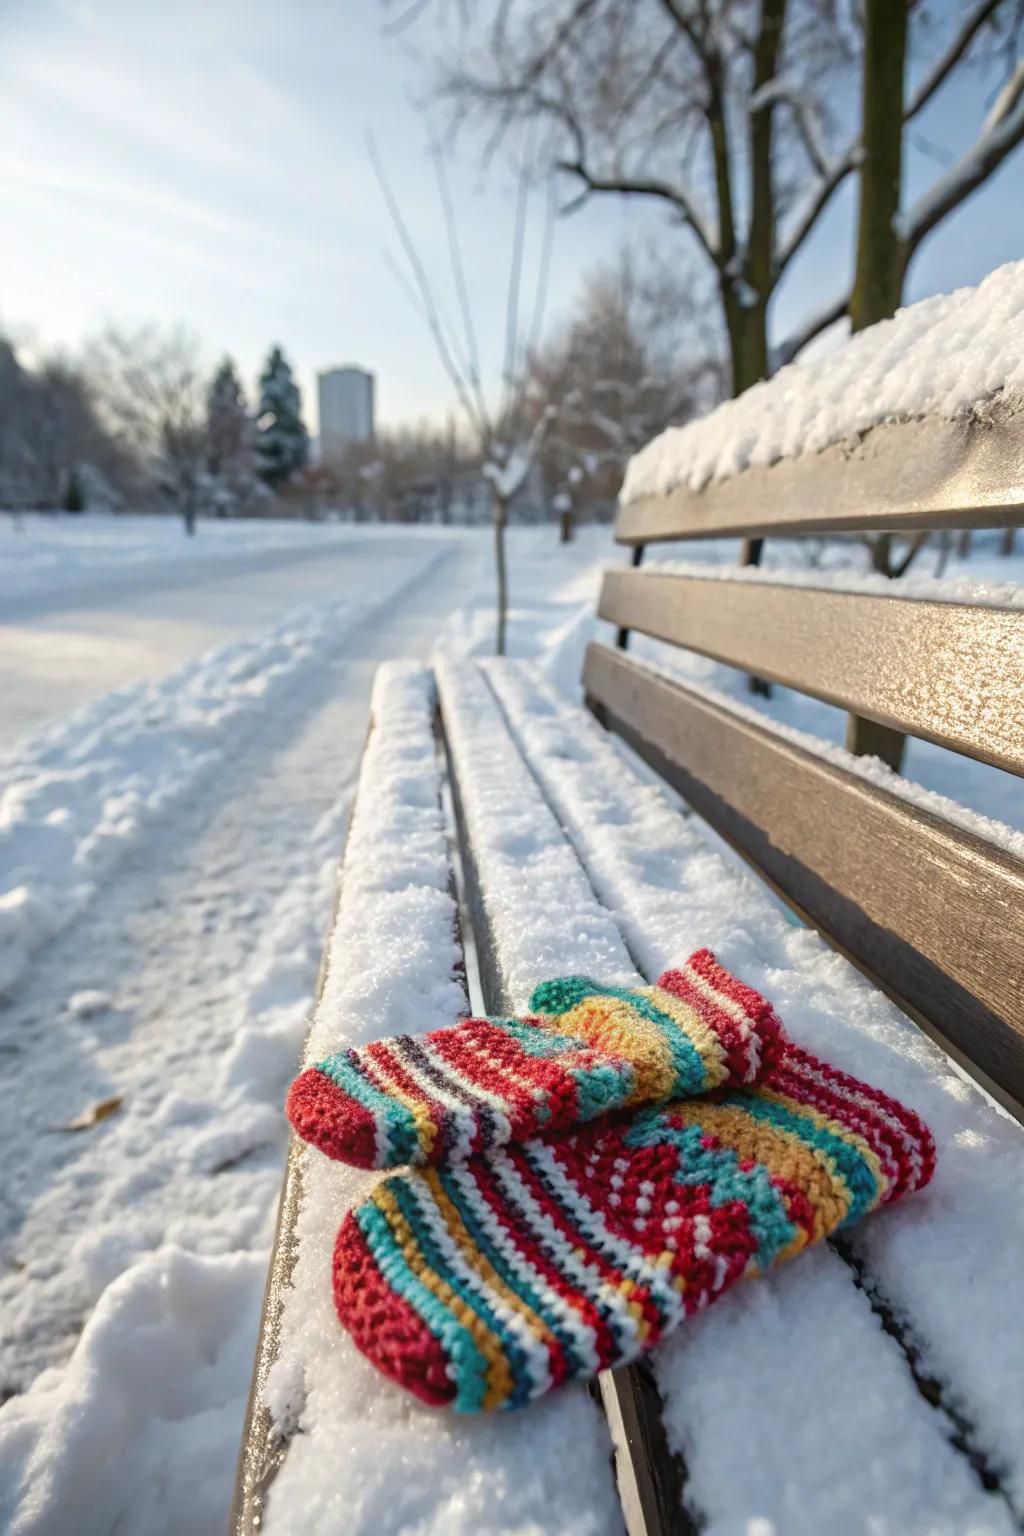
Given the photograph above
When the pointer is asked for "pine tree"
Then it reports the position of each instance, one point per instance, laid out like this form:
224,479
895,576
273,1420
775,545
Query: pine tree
230,442
74,492
282,444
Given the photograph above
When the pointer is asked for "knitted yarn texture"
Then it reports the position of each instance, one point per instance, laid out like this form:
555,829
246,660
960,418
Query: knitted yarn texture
584,1051
484,1284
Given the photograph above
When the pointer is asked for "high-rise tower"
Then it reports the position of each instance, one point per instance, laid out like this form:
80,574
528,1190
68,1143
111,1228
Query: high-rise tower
346,409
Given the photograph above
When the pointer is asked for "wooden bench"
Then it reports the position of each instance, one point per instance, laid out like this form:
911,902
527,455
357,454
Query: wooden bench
500,835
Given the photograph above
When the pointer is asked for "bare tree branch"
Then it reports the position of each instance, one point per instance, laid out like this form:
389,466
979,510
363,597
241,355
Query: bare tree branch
562,34
406,19
474,376
428,302
509,477
646,187
944,66
697,40
1006,100
818,201
515,283
1004,132
803,116
813,326
540,296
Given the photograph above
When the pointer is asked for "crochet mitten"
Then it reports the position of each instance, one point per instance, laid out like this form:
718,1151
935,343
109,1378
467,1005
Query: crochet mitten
486,1284
584,1051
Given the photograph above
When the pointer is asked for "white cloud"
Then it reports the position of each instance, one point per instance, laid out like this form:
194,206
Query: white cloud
205,162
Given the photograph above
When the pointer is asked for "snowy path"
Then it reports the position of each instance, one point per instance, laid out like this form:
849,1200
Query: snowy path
61,647
172,940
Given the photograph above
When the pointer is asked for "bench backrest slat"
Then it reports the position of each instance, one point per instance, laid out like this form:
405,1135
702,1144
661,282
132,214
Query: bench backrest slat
931,911
914,474
948,672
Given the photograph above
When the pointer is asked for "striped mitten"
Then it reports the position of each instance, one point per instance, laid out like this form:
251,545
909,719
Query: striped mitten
486,1284
584,1051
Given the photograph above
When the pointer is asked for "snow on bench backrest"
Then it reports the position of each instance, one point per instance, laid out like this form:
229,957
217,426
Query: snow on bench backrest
917,421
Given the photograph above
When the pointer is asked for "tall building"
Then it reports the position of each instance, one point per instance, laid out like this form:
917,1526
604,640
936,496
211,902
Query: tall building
346,409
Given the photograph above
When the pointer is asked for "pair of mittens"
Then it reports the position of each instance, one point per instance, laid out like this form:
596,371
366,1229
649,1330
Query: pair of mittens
484,1284
506,1260
583,1052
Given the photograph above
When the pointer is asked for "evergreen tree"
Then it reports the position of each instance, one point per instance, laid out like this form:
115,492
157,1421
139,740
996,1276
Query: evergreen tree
74,494
230,442
282,444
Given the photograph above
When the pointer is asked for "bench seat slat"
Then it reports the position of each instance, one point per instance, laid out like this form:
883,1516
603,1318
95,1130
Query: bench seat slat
949,672
935,913
535,915
930,473
803,1340
363,1452
944,1262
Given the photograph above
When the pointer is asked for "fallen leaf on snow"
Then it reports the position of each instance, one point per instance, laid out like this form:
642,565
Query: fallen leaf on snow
92,1116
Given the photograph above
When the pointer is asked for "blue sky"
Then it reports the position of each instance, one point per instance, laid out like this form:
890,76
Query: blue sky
204,161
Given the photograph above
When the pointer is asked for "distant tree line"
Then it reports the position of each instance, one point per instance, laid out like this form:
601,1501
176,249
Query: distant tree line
135,421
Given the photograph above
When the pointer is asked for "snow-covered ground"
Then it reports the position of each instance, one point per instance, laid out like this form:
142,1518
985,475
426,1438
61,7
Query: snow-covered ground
176,849
65,552
75,627
80,794
169,1012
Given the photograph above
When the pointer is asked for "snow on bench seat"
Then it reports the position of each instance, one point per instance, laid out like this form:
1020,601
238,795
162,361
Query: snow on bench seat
362,1455
540,905
790,1406
795,1369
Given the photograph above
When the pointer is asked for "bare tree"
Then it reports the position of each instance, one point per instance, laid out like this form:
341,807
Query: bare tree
634,357
151,391
506,440
718,113
51,442
724,115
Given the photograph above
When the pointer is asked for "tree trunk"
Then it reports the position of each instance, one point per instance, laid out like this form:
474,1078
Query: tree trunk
746,304
747,329
500,519
881,257
748,350
1008,540
748,355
